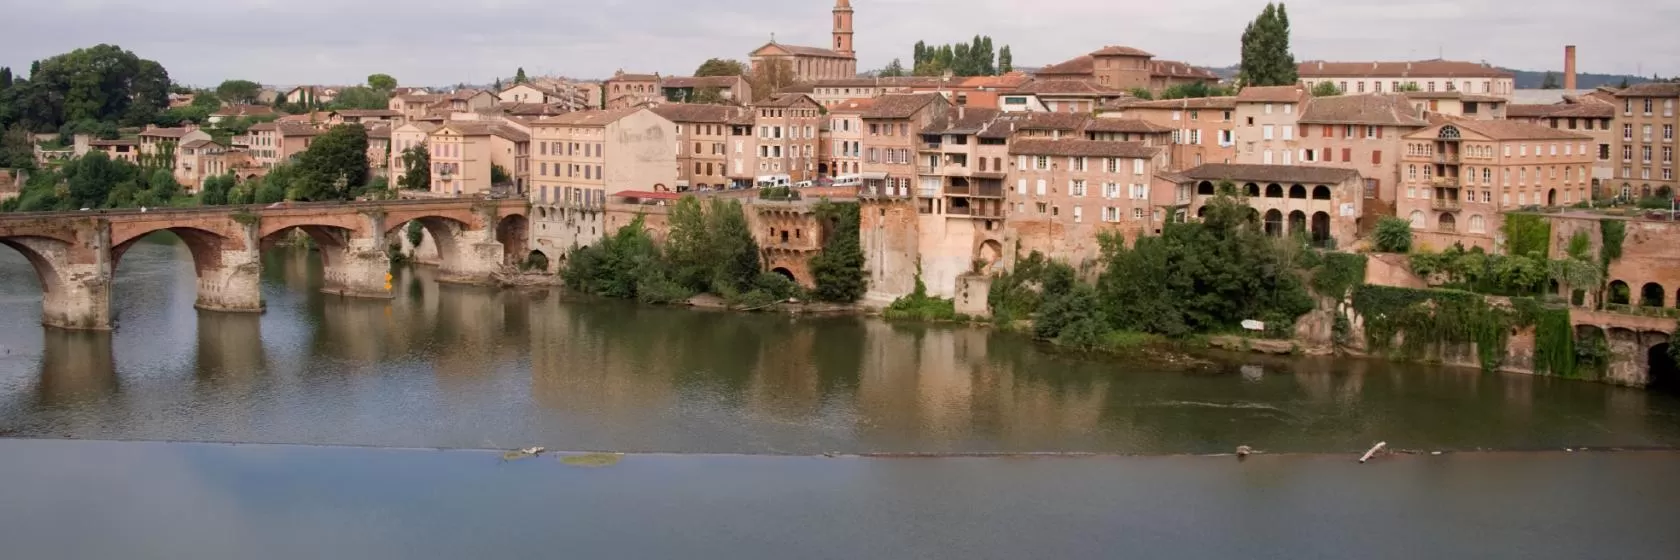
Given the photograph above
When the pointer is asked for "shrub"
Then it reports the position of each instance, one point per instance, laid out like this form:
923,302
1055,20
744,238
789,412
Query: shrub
1394,235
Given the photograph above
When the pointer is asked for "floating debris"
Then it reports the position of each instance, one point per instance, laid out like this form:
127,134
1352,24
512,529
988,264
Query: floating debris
592,459
1373,451
1243,451
525,453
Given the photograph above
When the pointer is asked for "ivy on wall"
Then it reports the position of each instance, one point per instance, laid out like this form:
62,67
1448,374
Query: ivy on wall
1554,343
1527,234
1338,273
1611,233
1430,318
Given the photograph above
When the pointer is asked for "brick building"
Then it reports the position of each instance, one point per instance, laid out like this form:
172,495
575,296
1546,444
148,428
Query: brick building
1203,128
1460,176
1427,75
702,143
1064,193
786,140
1125,68
892,127
1643,154
814,63
1321,203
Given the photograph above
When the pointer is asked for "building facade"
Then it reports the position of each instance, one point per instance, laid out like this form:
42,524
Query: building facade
814,63
1422,75
1460,176
1644,129
702,143
787,126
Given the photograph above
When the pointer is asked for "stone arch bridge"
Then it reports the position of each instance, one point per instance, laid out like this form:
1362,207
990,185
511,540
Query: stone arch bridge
75,254
1639,344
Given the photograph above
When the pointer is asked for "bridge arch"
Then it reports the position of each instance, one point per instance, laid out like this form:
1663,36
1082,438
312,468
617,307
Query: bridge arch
445,232
513,231
206,246
35,250
1663,371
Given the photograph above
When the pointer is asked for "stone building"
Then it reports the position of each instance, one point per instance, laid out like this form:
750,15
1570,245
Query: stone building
1125,68
1426,75
623,91
1065,193
1203,128
845,137
1266,120
786,140
1587,114
892,128
814,63
1363,133
1460,176
1644,132
1321,203
582,159
702,143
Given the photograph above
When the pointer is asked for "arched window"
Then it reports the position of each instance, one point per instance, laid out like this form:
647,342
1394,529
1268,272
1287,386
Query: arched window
1418,220
1477,224
1321,192
1297,191
1274,190
1449,132
1411,171
1447,223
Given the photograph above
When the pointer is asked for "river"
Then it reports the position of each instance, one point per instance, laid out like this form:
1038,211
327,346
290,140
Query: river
707,394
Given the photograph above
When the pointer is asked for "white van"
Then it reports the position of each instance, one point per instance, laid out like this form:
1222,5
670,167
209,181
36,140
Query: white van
764,181
848,181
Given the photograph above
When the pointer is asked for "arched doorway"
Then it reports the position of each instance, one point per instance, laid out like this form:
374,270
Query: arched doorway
535,260
1619,293
1201,212
1252,190
1447,223
1551,197
513,232
1664,373
1651,295
1320,228
785,273
1274,222
1204,187
1297,223
1321,192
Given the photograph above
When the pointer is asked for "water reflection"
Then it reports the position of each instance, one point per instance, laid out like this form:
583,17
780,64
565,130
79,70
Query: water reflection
454,366
76,368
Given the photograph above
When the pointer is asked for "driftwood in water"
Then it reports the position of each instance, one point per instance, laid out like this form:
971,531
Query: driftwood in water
1373,451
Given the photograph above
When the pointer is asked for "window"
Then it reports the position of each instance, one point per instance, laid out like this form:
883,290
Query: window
1370,132
1077,214
1268,108
1266,132
1137,166
1137,213
1111,165
1627,131
1627,153
1077,163
1376,157
1076,187
1041,190
1041,162
1175,115
1021,186
1347,154
1140,192
1288,131
1645,153
1111,190
1477,224
1111,214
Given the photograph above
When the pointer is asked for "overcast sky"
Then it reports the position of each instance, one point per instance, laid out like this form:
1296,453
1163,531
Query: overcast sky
437,42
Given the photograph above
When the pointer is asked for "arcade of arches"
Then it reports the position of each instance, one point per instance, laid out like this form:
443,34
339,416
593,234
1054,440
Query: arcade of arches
75,254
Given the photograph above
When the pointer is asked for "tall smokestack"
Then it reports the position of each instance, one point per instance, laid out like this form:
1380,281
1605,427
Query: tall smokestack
1569,67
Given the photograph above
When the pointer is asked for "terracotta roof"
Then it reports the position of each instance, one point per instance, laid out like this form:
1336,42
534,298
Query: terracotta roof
1516,130
965,120
853,106
1176,69
1172,177
367,113
527,109
887,82
593,117
262,127
1238,172
241,110
193,144
1295,93
806,51
785,100
165,132
1370,109
1435,68
421,98
1080,65
1222,102
899,105
1652,89
1592,109
1117,50
1067,87
1050,121
1138,126
117,142
379,132
1076,147
469,128
510,133
1012,79
1459,95
701,81
622,77
297,129
695,113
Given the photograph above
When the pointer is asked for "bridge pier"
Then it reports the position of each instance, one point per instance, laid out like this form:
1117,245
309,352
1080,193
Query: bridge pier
356,268
468,256
233,281
79,298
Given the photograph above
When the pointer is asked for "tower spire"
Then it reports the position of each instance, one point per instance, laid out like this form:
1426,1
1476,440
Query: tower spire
843,27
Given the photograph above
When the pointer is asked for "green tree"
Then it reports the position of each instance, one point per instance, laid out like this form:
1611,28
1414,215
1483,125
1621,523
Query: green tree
893,69
1193,90
100,83
709,95
163,185
417,168
335,167
216,190
1550,81
361,98
519,77
5,77
1006,61
721,67
499,175
1408,86
1326,89
1141,93
16,150
1266,59
239,91
688,245
838,269
382,82
736,252
771,77
1393,235
919,54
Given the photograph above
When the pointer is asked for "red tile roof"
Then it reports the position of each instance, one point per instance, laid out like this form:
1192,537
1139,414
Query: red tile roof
1124,125
899,105
1222,102
1081,65
1516,130
1435,68
1272,94
1652,89
695,112
1368,109
1082,88
1077,147
1117,50
1269,173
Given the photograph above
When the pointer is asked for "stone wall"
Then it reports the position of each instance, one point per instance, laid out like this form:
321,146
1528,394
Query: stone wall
890,232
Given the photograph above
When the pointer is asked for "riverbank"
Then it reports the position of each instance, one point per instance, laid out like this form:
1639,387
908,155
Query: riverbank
197,500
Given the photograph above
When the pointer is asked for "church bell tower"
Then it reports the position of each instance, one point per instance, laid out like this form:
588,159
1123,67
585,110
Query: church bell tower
843,27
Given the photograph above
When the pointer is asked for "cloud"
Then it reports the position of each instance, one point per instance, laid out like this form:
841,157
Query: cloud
437,42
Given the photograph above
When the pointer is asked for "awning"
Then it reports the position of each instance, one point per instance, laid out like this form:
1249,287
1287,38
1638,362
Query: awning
874,175
682,183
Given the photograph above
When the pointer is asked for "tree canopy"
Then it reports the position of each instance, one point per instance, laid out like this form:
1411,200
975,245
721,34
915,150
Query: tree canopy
974,58
893,69
1550,81
417,168
519,77
335,167
239,91
102,83
1266,59
721,67
96,181
770,77
382,82
359,97
1326,89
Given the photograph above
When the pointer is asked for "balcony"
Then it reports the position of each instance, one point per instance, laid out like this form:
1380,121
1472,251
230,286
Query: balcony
954,170
1445,182
1445,204
927,170
957,189
927,192
989,190
1451,158
930,145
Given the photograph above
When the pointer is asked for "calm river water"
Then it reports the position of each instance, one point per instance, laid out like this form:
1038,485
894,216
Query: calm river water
454,367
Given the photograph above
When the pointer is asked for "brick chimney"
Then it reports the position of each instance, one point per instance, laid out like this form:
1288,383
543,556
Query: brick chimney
1569,67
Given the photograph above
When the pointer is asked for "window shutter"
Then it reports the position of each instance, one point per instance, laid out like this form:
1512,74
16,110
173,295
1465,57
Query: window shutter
1376,155
1379,133
1347,154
